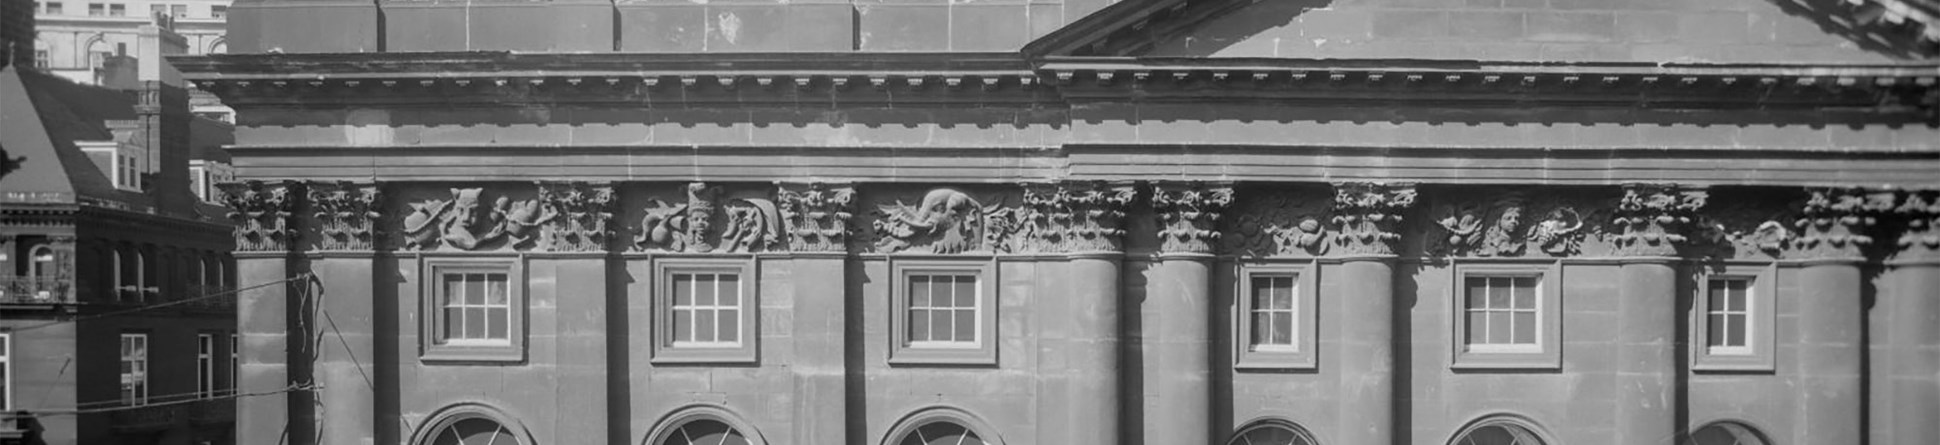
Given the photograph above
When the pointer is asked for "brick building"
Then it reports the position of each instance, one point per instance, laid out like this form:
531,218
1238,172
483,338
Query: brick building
104,251
1153,221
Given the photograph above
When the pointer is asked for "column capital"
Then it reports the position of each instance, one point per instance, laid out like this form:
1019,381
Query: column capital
816,215
1653,219
347,214
1834,221
579,213
1920,240
1070,216
262,214
1188,214
1368,216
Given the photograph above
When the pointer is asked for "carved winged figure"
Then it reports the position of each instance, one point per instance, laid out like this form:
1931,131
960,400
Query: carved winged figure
1554,234
951,219
754,225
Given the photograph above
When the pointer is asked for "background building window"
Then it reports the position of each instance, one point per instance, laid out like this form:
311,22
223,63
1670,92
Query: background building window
218,11
6,371
1506,315
56,8
1733,318
1274,316
943,312
97,9
41,262
235,362
474,310
205,365
117,10
40,59
704,311
134,369
707,310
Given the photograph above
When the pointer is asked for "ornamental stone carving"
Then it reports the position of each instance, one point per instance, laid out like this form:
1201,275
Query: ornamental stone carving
465,223
1188,215
816,216
1368,216
580,212
681,227
1280,222
346,214
1834,221
262,214
1477,228
945,221
1652,219
1921,238
1559,230
1067,217
753,225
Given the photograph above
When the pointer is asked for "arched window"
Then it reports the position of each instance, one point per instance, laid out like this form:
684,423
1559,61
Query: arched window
942,433
1272,432
1726,433
1500,430
705,432
475,431
42,265
119,273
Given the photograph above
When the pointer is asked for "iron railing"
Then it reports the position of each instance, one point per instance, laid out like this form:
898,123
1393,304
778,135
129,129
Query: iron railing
36,290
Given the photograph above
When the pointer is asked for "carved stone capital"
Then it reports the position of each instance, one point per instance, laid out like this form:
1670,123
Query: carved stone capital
1188,215
346,214
579,216
1921,212
816,216
1835,222
1654,219
1368,216
685,226
1067,217
262,214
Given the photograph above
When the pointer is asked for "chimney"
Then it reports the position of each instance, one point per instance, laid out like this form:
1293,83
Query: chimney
163,110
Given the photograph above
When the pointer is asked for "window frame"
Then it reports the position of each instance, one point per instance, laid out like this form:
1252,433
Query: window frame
433,319
1760,355
6,371
1304,355
146,370
665,351
1548,351
235,362
205,364
982,352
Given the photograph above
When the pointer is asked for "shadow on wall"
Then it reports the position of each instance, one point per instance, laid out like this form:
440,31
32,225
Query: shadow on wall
1864,25
1257,18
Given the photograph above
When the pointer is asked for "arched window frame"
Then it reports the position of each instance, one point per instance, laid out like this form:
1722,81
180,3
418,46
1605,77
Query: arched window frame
692,413
921,417
1264,423
42,269
1740,429
427,432
1512,420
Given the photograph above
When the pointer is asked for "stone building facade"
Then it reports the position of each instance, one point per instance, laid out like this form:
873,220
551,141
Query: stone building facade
1163,223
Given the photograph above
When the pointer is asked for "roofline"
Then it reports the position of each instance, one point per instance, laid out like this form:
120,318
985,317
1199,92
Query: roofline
504,64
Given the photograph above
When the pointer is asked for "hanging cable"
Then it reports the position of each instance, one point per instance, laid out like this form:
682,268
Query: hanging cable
159,305
292,388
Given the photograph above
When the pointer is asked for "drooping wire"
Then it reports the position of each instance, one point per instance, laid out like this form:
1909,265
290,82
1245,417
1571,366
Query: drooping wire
226,293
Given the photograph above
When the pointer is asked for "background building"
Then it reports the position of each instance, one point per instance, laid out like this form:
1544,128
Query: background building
1159,221
105,255
80,40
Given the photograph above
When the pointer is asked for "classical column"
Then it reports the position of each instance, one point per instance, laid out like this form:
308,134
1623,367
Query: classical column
1367,217
1906,390
1830,327
816,217
1178,340
342,257
264,234
1080,220
1651,222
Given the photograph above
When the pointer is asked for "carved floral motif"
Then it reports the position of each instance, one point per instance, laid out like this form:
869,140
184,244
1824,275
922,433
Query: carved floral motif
346,215
580,215
1652,218
1368,216
945,221
1922,213
1834,221
816,216
262,213
1066,217
1188,215
1279,223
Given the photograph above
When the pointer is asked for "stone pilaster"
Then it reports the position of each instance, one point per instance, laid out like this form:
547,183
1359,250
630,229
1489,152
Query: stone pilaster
1082,221
272,355
1367,217
342,255
816,217
1906,323
1654,222
1178,338
1833,229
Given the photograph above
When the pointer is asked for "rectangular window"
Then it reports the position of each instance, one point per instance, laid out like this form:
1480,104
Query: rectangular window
474,310
97,9
235,362
218,11
1733,317
178,11
134,369
205,365
1273,316
705,310
56,8
117,10
158,10
1506,315
6,371
945,312
40,58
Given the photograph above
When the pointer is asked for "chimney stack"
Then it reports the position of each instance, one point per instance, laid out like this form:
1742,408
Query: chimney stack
163,110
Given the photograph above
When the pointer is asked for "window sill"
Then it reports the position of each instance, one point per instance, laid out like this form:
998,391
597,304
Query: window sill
915,355
1537,360
460,353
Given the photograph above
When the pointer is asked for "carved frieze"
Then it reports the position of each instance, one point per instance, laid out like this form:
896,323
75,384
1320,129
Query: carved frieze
753,225
346,214
464,222
1368,216
1921,211
1493,223
1188,215
1279,222
261,213
945,221
1834,222
680,227
816,216
1653,219
1065,217
580,213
